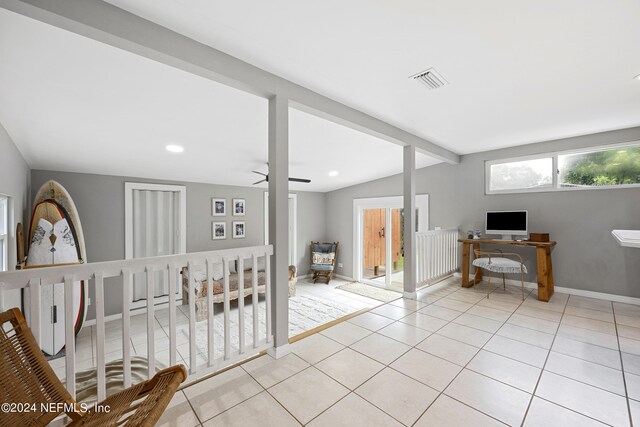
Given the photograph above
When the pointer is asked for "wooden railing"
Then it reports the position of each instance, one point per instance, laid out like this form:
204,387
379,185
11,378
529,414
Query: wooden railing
437,255
95,274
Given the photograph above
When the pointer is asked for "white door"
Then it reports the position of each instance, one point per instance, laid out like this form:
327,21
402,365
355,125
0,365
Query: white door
378,228
156,226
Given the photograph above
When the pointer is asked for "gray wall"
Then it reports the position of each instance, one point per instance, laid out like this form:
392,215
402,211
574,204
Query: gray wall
438,181
100,203
586,256
14,182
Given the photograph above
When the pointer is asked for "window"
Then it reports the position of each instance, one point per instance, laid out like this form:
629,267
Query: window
4,219
524,174
602,167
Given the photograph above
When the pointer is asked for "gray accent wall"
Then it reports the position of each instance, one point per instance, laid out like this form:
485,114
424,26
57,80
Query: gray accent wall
586,257
14,182
437,181
100,203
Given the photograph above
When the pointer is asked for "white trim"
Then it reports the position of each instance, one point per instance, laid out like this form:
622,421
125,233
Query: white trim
554,172
572,291
340,276
294,248
278,352
4,238
392,202
128,225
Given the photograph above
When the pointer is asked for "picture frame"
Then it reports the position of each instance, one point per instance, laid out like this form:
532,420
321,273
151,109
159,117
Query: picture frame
218,230
239,230
239,207
218,207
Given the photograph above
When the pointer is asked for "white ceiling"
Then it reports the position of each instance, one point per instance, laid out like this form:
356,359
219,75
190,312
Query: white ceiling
520,72
73,104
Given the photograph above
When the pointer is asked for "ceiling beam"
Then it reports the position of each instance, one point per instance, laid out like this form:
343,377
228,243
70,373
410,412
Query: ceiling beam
103,22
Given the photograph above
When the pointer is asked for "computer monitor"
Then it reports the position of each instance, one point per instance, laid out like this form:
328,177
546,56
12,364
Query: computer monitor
507,223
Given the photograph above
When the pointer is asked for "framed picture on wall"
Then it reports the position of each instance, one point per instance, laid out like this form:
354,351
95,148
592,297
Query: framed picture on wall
238,230
218,230
218,207
238,207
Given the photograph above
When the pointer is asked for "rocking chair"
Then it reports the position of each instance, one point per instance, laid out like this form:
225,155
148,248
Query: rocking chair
323,260
26,379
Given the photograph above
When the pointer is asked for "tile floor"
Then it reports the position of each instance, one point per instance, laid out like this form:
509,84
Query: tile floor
451,357
86,339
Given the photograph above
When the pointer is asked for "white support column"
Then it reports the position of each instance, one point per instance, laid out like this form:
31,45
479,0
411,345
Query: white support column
279,221
409,194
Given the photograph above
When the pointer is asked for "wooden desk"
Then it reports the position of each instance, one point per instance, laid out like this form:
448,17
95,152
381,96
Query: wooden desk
543,255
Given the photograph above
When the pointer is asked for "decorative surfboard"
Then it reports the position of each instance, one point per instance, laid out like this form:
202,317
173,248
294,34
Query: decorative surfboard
56,238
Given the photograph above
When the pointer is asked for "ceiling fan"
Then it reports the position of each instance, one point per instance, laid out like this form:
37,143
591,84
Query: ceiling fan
266,178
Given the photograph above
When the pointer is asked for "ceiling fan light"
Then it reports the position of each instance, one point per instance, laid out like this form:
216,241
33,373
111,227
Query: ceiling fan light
334,173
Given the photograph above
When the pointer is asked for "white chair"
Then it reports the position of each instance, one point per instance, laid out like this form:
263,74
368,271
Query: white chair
498,262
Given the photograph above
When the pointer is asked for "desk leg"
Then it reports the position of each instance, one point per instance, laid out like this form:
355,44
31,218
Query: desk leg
466,250
545,289
550,268
478,271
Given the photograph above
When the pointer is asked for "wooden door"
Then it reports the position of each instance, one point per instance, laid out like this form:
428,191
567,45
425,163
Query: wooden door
396,242
374,238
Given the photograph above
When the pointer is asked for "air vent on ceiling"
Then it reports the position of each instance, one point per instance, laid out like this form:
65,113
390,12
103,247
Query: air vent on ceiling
430,78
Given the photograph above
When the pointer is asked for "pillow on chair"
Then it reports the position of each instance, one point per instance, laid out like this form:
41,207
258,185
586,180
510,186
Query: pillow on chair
323,258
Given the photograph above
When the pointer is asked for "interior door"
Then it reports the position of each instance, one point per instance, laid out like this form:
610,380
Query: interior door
155,227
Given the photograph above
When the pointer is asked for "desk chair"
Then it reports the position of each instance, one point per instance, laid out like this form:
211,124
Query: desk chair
499,262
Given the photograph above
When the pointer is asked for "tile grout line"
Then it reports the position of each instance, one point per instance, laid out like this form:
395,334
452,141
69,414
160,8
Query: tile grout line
572,379
624,376
461,370
533,393
426,385
386,366
414,347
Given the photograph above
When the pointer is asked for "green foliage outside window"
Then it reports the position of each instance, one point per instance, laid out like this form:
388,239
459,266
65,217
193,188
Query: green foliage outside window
611,167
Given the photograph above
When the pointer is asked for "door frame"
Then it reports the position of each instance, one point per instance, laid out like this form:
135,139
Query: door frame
294,246
128,229
393,202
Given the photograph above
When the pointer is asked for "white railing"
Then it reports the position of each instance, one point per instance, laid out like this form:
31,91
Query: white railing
96,273
437,254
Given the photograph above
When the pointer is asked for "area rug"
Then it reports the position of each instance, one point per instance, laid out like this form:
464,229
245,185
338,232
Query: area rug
305,313
369,291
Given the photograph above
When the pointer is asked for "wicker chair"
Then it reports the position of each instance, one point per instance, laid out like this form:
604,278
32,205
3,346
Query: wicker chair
323,260
27,379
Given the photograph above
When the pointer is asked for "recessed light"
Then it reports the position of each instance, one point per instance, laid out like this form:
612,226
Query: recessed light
333,173
175,148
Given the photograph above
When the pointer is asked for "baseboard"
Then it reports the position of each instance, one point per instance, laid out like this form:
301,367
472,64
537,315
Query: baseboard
132,312
572,291
341,277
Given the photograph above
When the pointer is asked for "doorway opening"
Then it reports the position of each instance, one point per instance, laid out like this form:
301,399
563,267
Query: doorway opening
379,239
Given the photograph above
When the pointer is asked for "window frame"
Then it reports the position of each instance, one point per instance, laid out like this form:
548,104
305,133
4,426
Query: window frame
554,155
4,238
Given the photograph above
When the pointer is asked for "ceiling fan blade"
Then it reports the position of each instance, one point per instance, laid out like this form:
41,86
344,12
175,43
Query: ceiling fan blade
259,173
258,182
306,181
